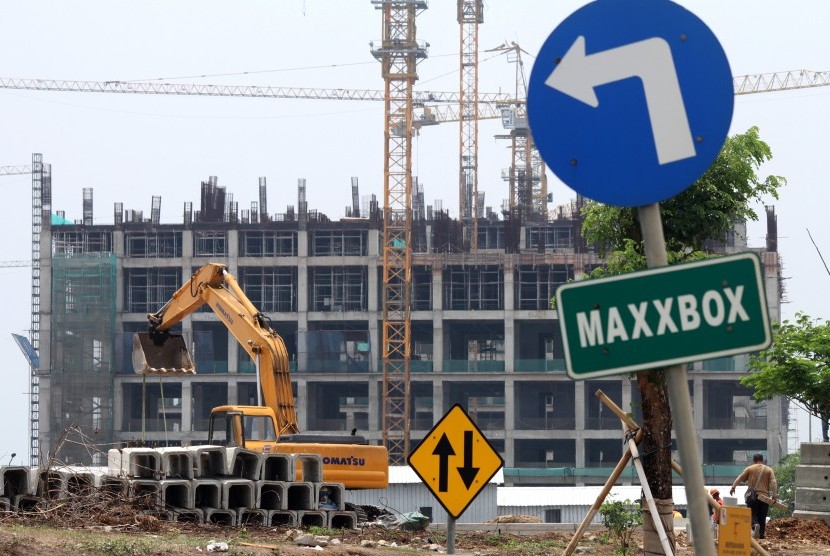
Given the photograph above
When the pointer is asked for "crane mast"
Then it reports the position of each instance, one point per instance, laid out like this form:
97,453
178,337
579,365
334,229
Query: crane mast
41,204
470,15
398,53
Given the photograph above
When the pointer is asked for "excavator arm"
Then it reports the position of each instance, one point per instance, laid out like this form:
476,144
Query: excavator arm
215,286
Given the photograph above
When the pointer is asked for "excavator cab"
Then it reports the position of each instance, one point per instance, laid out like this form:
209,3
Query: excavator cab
161,353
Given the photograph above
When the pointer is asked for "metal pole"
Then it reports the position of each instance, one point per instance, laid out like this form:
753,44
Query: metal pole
450,534
258,383
654,244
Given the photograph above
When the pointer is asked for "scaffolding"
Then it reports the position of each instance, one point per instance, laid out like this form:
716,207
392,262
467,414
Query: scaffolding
82,351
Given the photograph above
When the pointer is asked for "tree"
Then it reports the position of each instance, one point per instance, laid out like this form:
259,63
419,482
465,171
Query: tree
706,211
621,518
796,365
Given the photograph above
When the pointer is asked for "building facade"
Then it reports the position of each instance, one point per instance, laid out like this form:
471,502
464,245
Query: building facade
484,334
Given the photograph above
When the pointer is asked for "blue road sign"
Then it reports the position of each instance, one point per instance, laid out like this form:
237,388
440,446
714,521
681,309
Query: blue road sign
629,102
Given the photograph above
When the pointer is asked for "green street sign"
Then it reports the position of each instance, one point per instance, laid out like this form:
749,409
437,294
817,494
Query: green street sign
663,316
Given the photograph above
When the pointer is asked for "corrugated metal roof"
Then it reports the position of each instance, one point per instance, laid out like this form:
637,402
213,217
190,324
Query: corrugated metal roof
586,495
401,474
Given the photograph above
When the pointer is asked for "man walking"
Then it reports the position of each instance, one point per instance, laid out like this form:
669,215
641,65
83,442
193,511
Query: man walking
761,478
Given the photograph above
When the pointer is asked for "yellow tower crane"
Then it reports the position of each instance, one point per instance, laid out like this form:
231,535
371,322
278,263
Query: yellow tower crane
470,15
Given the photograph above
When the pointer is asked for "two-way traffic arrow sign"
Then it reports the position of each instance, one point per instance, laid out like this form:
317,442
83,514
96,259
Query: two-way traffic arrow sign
455,461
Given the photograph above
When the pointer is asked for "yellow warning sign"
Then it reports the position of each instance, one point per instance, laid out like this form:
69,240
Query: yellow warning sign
455,461
734,531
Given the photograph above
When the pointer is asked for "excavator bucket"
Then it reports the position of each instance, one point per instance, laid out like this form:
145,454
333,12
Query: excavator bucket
164,354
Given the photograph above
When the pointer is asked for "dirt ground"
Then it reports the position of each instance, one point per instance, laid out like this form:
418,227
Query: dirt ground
38,537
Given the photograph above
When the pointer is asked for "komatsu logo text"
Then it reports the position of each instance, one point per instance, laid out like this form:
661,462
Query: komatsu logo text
221,310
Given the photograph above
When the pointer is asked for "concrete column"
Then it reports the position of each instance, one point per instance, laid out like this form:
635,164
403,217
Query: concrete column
438,353
187,407
375,403
776,431
233,393
579,433
510,407
302,300
510,336
627,385
697,406
300,403
437,400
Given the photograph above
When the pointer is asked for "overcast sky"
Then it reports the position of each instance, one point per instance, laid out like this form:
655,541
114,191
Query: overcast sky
131,147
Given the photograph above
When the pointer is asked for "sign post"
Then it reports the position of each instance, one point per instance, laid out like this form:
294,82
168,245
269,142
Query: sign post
455,461
630,103
680,401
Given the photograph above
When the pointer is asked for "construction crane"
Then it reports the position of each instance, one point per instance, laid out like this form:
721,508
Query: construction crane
398,52
41,202
470,15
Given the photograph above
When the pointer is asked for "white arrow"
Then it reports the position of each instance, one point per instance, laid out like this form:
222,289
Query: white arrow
577,75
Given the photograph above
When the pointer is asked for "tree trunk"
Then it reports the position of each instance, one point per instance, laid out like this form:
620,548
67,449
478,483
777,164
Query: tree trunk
825,422
655,448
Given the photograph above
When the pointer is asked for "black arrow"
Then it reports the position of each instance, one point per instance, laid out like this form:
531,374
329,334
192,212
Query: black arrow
443,450
468,472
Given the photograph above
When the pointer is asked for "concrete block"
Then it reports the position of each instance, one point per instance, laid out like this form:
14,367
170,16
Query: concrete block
277,467
244,464
252,516
271,495
188,515
342,520
308,467
812,499
5,504
177,493
135,463
18,480
25,503
300,496
146,492
815,453
802,514
176,463
277,518
51,484
311,518
237,493
220,517
207,493
330,496
209,461
815,476
81,483
114,486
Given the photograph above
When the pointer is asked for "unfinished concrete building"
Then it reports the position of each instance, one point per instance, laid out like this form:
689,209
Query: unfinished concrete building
483,334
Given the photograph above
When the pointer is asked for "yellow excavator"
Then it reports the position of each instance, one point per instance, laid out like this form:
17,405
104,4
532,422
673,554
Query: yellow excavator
270,426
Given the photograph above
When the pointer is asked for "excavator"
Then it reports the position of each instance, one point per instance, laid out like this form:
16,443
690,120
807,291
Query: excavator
271,426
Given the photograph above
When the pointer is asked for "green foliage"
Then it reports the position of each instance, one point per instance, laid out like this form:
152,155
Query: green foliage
785,474
118,547
796,365
315,530
621,518
706,210
523,546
